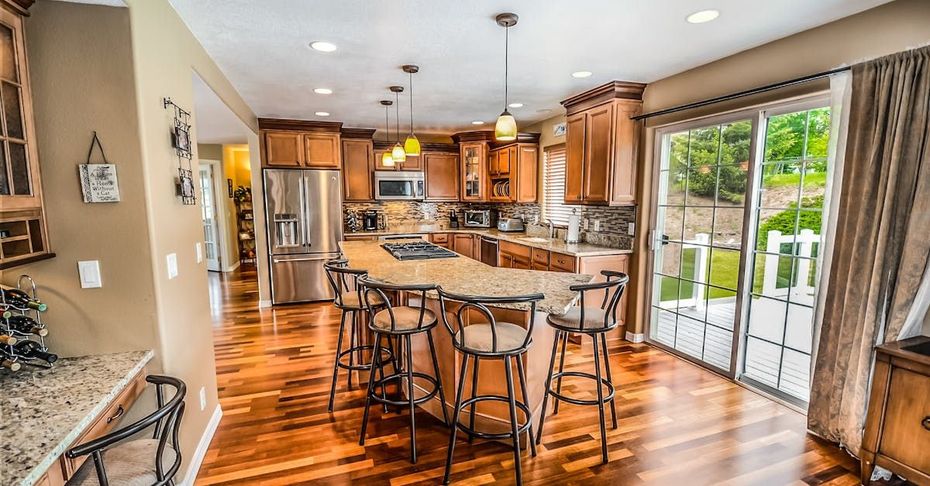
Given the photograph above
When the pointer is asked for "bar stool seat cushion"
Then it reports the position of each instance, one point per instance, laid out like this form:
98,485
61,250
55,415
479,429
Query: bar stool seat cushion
593,319
478,337
350,300
407,318
131,463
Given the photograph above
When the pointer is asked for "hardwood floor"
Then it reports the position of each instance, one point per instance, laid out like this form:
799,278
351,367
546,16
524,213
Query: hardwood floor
679,424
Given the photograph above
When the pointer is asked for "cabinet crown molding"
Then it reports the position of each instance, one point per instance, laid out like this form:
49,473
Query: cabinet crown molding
613,90
488,136
20,7
299,125
365,133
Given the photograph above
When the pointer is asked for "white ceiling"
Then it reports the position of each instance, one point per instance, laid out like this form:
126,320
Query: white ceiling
214,122
262,48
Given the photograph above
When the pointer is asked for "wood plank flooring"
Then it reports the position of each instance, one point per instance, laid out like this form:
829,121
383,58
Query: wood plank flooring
679,424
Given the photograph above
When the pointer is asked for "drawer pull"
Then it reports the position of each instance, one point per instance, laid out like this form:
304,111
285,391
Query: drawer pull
926,422
119,413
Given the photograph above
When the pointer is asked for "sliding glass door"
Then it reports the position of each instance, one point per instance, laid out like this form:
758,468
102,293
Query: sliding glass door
737,241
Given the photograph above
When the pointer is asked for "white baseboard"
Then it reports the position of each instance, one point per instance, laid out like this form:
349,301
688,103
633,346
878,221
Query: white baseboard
232,268
634,337
204,444
264,303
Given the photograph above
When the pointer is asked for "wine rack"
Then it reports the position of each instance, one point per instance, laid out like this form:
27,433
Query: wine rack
22,332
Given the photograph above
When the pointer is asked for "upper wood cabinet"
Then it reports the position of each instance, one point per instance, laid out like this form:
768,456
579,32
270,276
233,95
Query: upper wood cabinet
441,174
473,171
357,167
514,173
23,231
602,144
299,143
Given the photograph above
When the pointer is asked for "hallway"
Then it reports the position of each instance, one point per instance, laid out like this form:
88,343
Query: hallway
678,423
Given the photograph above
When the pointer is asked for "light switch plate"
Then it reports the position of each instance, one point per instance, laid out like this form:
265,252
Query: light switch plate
631,229
199,250
584,224
172,260
89,271
597,225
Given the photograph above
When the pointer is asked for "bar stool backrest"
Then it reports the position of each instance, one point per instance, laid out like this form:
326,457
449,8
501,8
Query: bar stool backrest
613,289
374,293
343,279
480,304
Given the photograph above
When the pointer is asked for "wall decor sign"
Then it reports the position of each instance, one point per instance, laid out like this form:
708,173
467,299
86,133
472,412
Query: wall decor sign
99,183
183,147
558,129
229,189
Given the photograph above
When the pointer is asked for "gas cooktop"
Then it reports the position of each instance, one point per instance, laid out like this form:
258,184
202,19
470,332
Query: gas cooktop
418,250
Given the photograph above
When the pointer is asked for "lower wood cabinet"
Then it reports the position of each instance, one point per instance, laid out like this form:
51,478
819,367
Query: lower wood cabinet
440,239
897,427
464,244
441,174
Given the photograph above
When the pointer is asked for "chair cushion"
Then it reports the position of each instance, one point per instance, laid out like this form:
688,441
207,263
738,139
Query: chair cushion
406,318
478,337
130,463
350,300
593,319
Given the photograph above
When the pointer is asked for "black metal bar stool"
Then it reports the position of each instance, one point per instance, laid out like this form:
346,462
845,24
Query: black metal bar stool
594,322
401,323
491,340
348,298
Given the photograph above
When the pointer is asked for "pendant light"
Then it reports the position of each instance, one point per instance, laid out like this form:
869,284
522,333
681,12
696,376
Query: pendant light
387,159
412,144
505,129
398,151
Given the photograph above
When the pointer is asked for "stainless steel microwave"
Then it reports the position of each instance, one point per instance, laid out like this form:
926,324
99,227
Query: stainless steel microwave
390,185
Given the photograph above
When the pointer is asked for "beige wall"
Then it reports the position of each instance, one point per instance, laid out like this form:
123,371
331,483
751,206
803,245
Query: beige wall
890,28
81,68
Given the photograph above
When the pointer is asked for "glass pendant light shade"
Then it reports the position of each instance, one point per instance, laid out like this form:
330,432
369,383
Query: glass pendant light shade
506,128
398,154
387,159
412,146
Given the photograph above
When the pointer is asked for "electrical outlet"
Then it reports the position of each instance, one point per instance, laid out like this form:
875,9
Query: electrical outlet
203,398
536,219
597,225
172,262
199,250
631,229
584,224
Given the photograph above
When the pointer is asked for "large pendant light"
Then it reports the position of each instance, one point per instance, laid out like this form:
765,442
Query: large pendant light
387,159
397,153
412,144
505,129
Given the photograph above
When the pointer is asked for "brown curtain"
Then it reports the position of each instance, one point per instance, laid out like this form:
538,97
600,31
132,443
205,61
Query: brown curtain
882,242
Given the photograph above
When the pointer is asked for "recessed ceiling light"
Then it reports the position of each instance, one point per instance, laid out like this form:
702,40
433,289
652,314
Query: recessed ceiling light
581,74
322,113
322,91
516,105
703,16
323,46
477,122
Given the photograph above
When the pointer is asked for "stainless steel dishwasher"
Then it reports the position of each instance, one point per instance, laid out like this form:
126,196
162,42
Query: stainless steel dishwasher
489,251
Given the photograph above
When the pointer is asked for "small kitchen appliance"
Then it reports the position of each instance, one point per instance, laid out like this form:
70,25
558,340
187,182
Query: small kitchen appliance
373,220
480,218
510,225
453,219
398,185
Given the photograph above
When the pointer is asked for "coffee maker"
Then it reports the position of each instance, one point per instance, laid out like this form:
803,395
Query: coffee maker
374,220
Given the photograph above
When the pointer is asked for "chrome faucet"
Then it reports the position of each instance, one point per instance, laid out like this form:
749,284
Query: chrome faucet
551,228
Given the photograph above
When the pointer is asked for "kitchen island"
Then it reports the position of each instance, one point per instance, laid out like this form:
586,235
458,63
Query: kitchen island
44,412
464,275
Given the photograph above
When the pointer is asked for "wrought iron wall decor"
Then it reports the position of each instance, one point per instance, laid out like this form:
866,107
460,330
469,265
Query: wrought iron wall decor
181,141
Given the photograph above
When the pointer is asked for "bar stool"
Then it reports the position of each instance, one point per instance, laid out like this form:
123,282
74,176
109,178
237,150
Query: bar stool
491,340
594,322
348,298
401,323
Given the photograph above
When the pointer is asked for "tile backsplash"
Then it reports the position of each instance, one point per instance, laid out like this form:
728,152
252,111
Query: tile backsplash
614,221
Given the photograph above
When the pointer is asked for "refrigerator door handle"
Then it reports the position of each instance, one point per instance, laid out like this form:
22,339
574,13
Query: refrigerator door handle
302,196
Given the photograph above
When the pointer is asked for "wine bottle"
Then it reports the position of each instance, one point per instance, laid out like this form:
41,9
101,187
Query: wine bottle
10,365
26,324
5,339
34,350
22,300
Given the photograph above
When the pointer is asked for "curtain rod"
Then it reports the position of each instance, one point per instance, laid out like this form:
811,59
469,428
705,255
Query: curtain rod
748,92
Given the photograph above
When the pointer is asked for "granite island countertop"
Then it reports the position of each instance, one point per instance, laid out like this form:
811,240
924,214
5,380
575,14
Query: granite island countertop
550,244
42,411
463,275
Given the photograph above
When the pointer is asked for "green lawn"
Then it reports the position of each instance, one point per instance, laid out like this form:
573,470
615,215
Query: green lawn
724,272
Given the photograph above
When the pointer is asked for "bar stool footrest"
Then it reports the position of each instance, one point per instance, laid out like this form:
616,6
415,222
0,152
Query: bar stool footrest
494,398
380,385
386,356
581,401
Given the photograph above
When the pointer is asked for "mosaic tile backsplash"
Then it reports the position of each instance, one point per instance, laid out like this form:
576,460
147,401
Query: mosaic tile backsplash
614,220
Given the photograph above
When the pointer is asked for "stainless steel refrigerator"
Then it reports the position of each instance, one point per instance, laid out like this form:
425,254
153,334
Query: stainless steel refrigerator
303,209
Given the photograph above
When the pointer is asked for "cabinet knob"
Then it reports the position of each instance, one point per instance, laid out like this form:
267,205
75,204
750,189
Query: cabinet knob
926,422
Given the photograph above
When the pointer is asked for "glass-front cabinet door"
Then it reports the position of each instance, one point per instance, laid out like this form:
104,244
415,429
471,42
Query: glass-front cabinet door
474,156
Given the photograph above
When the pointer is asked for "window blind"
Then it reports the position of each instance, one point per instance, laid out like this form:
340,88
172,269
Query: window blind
554,206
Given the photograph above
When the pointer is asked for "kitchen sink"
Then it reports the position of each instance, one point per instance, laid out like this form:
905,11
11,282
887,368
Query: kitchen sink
534,239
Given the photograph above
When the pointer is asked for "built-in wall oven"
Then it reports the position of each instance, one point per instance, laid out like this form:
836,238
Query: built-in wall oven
390,185
489,251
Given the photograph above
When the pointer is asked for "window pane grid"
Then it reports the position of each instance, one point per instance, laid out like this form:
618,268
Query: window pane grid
554,207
